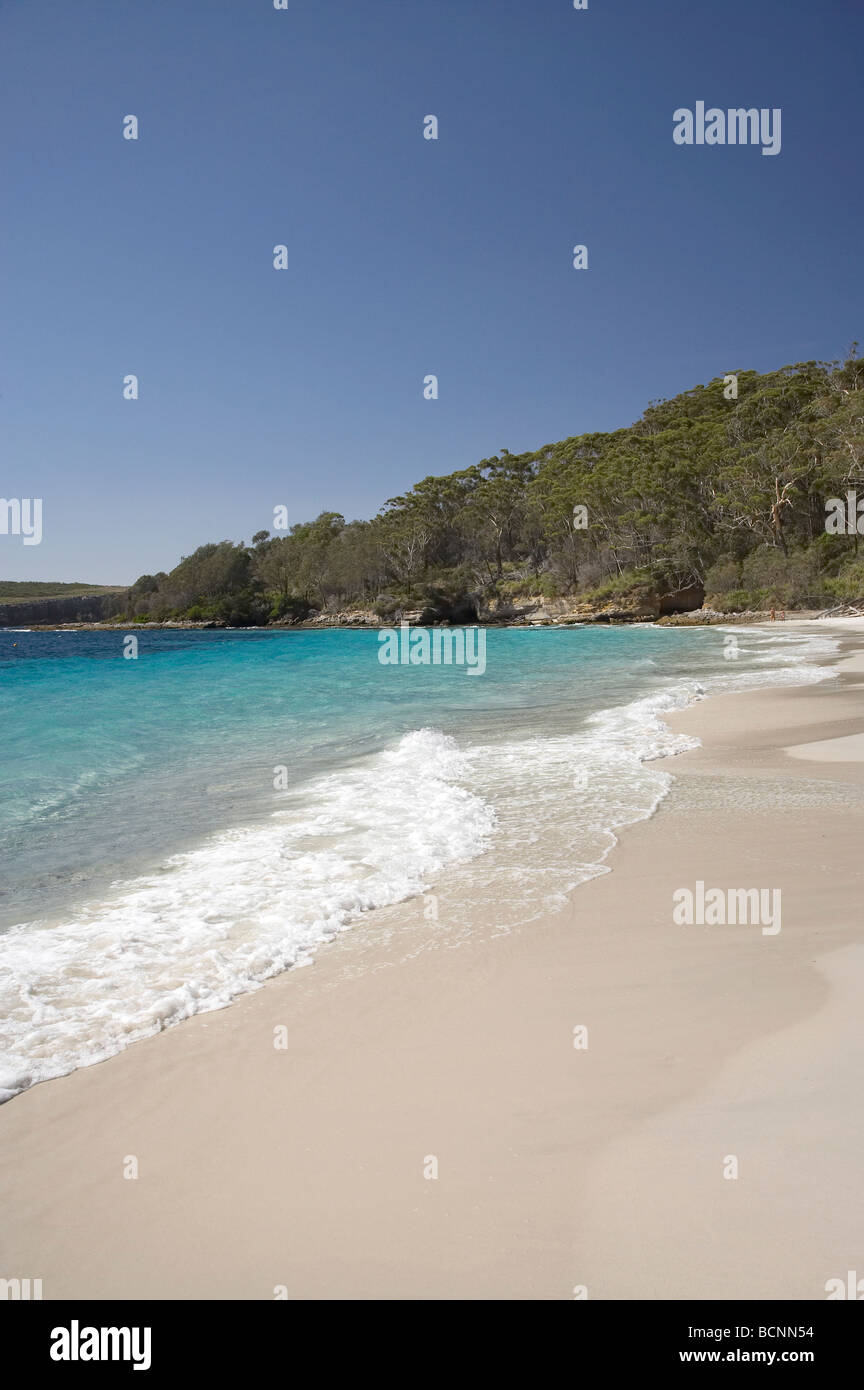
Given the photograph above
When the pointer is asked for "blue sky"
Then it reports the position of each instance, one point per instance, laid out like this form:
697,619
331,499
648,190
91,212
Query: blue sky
407,257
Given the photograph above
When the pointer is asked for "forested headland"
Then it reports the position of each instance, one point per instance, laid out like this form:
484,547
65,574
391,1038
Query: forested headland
721,490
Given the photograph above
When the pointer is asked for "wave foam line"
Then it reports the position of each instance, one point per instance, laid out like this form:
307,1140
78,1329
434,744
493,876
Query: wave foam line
216,922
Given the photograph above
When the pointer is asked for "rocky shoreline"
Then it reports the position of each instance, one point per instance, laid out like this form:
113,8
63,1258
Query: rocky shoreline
639,604
526,618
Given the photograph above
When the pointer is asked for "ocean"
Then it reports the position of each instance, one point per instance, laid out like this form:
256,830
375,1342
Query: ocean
177,828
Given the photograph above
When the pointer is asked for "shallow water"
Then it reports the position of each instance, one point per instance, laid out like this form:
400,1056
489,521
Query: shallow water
177,828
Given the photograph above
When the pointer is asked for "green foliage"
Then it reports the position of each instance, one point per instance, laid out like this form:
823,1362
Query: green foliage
849,584
635,583
702,489
768,578
386,606
290,609
736,601
15,591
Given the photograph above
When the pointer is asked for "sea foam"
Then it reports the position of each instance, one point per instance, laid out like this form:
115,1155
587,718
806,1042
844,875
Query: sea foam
247,903
217,921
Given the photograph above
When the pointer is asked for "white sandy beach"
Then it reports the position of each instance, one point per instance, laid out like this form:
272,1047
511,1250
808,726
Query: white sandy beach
558,1167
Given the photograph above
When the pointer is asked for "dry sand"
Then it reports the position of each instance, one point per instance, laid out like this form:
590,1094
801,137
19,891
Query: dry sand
558,1167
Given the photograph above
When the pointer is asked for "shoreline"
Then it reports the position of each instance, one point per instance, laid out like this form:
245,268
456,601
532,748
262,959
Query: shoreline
310,1160
696,618
638,726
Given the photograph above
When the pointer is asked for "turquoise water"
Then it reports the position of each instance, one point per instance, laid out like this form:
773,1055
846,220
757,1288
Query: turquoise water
177,828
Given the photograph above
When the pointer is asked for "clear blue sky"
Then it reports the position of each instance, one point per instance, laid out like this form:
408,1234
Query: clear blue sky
407,256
